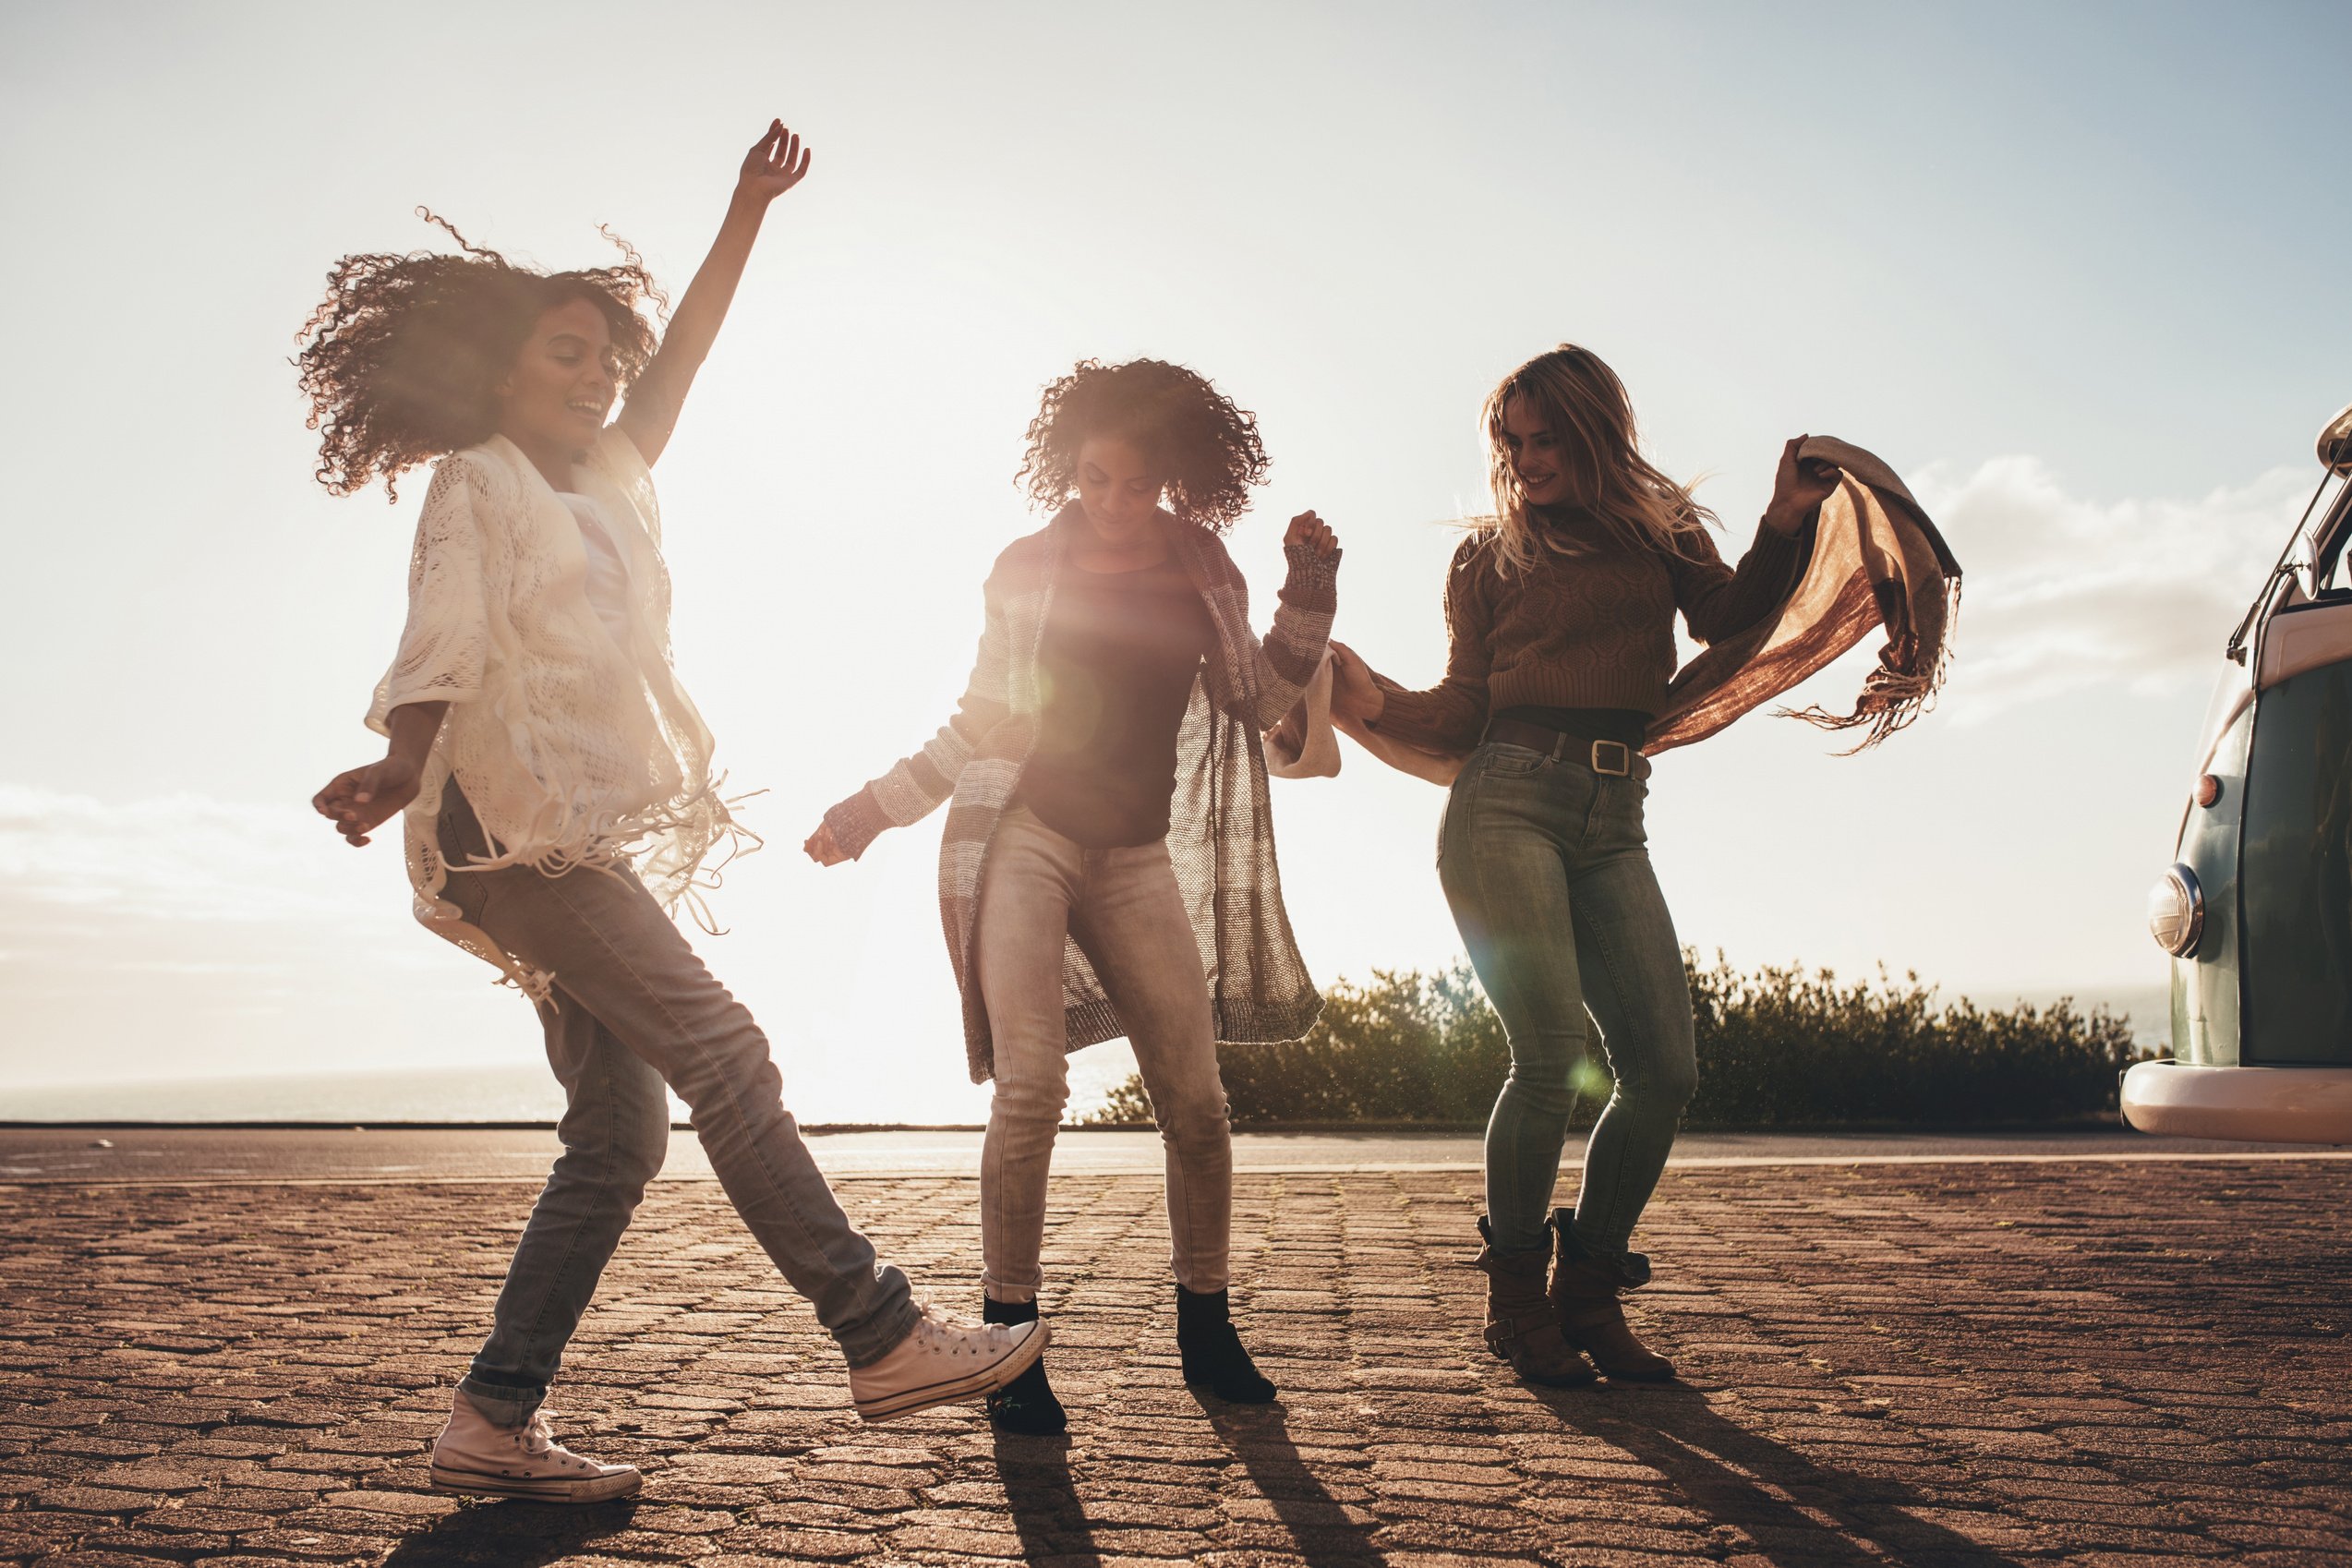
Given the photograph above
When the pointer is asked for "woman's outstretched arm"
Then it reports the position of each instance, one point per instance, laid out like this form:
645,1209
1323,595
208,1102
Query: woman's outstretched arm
444,649
918,784
1355,691
1447,719
774,164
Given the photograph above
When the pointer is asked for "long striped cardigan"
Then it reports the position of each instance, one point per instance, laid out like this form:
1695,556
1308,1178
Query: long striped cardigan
1220,833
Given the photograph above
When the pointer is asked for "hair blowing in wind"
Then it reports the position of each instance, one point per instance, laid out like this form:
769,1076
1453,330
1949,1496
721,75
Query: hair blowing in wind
1575,393
399,361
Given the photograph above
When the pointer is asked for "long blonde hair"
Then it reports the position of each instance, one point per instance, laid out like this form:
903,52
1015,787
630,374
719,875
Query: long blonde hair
1584,404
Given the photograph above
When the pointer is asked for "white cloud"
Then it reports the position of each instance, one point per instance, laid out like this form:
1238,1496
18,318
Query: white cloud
2065,594
187,935
176,857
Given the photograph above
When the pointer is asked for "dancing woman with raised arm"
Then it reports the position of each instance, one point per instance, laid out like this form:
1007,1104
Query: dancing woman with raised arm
1110,828
558,795
1560,609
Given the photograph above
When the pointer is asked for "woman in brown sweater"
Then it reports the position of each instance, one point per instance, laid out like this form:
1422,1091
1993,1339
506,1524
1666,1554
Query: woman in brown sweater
1561,609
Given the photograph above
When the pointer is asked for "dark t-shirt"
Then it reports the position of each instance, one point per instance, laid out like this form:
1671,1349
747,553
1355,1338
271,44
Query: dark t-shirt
1115,669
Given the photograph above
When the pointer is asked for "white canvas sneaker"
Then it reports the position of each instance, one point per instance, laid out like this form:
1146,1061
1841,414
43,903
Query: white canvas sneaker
475,1456
944,1360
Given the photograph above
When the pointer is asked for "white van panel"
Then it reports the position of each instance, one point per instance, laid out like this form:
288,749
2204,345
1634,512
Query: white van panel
2304,639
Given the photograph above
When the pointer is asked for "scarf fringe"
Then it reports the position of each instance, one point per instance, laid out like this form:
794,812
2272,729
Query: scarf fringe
1893,699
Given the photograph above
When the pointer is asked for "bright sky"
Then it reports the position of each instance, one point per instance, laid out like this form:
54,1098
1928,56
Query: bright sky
2077,271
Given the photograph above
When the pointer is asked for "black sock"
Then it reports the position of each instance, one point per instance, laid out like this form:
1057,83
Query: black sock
1212,1352
1026,1404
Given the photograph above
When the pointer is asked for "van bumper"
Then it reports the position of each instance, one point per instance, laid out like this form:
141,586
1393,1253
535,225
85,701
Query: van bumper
2277,1104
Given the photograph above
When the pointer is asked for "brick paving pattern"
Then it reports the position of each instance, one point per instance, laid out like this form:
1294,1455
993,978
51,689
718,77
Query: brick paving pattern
1925,1365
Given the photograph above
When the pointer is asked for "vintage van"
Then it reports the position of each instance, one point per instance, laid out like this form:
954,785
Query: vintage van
2257,907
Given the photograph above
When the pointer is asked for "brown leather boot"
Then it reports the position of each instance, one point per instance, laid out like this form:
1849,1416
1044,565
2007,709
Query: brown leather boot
1521,1326
1584,1291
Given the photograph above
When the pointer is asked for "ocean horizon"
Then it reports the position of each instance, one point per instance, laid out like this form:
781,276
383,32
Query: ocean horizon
504,1092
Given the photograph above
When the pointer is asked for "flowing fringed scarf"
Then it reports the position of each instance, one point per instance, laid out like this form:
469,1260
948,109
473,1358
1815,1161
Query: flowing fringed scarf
1875,559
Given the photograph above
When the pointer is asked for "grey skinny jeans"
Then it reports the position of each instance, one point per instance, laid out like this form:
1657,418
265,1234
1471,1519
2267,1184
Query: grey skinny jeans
634,1007
1546,867
1123,909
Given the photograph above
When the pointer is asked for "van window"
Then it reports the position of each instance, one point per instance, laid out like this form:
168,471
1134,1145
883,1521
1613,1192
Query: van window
2295,875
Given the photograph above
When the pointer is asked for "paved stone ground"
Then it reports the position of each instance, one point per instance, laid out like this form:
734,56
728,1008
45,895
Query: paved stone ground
1926,1364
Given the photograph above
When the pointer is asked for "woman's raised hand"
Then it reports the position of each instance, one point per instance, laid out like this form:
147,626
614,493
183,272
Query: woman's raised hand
1356,698
1310,530
774,164
821,847
1800,487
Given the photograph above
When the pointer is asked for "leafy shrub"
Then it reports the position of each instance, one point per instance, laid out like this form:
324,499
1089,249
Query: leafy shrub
1781,1047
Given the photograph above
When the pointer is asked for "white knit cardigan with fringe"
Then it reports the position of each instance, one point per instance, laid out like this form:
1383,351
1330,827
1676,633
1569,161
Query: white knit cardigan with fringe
573,748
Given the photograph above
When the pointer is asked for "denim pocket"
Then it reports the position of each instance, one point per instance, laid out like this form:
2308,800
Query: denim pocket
470,891
1503,760
1616,821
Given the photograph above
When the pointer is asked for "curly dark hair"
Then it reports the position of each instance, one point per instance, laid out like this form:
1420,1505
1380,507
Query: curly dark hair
399,359
1205,446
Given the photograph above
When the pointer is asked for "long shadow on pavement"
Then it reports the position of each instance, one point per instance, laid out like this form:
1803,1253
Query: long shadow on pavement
513,1534
1045,1507
1260,1437
1722,1470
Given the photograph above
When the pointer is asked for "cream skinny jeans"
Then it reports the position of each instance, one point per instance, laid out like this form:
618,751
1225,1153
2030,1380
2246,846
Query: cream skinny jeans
1122,908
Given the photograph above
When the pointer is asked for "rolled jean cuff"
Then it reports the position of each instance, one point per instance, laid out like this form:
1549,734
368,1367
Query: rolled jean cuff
870,1342
1010,1292
501,1405
1633,1268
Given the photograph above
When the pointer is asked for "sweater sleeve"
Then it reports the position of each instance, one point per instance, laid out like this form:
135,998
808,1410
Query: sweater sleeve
1719,601
445,646
1448,717
1288,654
916,785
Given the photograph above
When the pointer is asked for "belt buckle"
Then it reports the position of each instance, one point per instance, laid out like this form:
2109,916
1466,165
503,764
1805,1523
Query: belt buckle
1620,751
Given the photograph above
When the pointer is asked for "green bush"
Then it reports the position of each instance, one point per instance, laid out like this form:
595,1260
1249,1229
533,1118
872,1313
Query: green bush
1781,1047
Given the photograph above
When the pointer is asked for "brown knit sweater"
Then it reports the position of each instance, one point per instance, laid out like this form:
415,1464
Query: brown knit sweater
1590,629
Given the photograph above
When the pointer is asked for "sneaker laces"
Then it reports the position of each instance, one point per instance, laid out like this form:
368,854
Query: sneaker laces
942,1335
946,1339
536,1439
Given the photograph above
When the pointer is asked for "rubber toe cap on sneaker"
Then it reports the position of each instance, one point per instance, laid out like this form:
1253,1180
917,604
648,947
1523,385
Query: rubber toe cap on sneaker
941,1363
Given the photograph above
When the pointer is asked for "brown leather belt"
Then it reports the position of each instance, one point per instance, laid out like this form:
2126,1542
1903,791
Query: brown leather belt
1613,758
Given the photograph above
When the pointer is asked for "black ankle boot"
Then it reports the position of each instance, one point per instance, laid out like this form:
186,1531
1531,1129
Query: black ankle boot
1026,1404
1214,1357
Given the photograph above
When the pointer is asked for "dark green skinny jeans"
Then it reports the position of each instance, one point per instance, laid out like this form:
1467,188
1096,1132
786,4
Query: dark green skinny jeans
1546,867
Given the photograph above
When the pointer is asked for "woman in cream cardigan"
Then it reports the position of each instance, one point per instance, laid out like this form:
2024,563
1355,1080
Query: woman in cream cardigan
1108,823
557,794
